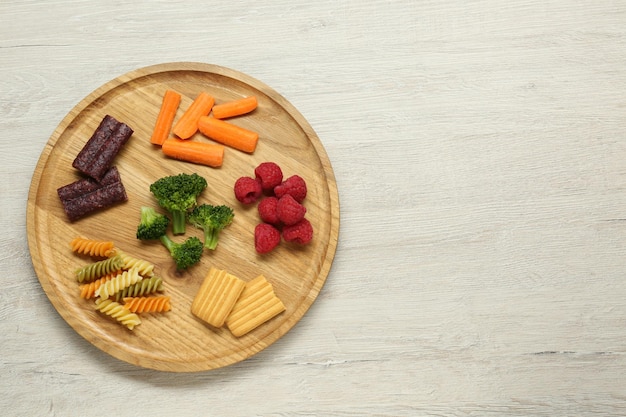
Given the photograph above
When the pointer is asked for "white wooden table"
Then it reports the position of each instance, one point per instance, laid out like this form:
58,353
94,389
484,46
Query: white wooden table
480,154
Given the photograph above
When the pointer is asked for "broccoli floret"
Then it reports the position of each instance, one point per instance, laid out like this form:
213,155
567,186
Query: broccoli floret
153,226
178,194
185,254
211,219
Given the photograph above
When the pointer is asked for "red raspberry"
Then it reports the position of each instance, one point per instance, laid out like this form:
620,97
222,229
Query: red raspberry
301,232
266,237
289,211
294,185
268,210
247,190
269,174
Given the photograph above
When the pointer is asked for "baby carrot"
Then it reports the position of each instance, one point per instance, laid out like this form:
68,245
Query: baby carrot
235,107
187,125
163,125
228,134
210,154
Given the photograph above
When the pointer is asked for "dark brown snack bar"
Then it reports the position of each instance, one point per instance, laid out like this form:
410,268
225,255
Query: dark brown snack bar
96,200
97,155
99,199
85,196
87,185
104,159
99,137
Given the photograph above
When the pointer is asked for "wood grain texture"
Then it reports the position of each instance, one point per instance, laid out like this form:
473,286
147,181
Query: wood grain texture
479,151
177,341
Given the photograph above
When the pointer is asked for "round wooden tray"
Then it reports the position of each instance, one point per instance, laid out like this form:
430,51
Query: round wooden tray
177,341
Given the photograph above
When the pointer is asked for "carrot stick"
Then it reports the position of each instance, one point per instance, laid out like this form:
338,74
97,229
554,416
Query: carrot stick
187,125
210,154
228,134
163,125
235,107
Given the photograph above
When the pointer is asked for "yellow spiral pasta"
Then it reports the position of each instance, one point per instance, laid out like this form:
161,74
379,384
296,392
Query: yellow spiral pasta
118,283
143,287
88,290
99,269
118,312
91,247
145,268
157,304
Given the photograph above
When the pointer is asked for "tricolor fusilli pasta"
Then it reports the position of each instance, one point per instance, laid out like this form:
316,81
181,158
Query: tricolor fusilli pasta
118,283
92,247
99,269
118,312
145,268
88,290
144,287
157,304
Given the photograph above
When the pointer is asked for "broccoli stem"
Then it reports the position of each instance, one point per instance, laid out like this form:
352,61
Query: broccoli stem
179,222
211,237
168,243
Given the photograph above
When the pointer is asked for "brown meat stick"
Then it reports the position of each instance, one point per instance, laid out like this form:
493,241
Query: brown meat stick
98,153
87,185
95,200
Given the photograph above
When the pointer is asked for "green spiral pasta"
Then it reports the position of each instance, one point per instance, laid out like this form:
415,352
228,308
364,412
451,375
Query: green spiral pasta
143,287
121,281
99,269
118,312
146,268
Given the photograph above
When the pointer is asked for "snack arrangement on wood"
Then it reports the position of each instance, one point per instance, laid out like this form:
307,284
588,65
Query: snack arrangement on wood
203,115
133,291
112,277
280,206
102,186
242,306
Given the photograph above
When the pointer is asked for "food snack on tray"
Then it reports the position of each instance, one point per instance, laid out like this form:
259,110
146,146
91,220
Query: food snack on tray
146,268
269,174
98,269
92,247
96,157
118,312
88,290
84,186
187,125
257,304
128,282
165,118
217,296
118,283
143,287
86,195
155,304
